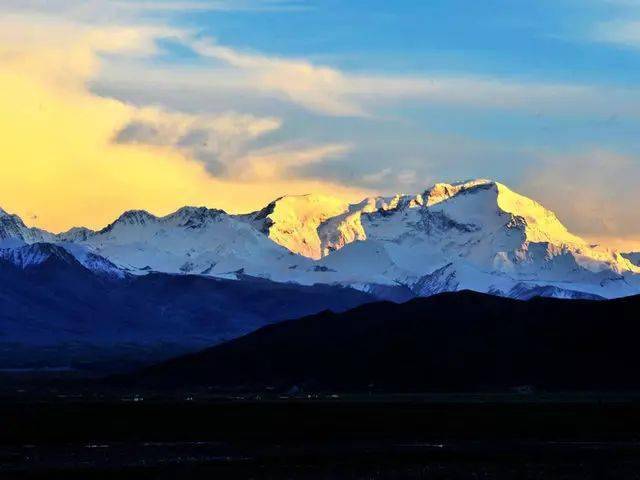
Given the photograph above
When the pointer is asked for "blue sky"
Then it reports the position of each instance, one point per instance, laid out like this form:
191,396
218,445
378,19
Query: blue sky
552,40
392,96
524,41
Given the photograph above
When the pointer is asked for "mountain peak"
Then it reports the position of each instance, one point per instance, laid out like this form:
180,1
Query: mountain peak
136,216
190,210
490,197
76,234
292,221
440,192
11,216
315,225
13,228
487,236
131,217
193,217
542,225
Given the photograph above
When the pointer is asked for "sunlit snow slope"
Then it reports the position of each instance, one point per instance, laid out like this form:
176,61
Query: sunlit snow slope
477,235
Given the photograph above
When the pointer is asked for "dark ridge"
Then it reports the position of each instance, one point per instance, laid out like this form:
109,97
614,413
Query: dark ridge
60,302
451,341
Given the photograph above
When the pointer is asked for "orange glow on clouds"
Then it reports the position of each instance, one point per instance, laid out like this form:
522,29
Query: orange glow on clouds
60,167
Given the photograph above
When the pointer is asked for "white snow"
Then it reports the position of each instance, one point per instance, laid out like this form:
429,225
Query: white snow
478,235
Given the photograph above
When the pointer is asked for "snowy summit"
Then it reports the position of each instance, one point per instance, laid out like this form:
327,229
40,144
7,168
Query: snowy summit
477,235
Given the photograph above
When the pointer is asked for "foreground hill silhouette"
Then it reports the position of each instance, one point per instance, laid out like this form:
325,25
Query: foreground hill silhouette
451,341
56,312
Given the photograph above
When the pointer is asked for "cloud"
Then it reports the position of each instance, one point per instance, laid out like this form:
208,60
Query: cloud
594,193
223,143
328,91
281,161
72,157
407,180
623,27
317,88
206,133
215,140
620,32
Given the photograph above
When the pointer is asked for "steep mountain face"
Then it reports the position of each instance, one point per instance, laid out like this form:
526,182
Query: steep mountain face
460,341
293,221
476,235
13,228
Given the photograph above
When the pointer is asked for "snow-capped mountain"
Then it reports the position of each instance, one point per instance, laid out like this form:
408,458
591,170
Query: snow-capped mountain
191,240
477,235
293,221
12,229
36,254
32,255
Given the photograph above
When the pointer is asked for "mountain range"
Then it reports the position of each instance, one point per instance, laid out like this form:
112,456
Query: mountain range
476,235
200,276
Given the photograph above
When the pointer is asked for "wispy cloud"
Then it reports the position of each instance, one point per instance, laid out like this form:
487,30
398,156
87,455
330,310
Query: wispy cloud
621,32
110,155
317,88
234,127
281,161
327,90
402,178
215,140
622,27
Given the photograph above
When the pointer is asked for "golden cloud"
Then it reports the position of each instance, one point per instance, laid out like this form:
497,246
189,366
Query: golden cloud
59,160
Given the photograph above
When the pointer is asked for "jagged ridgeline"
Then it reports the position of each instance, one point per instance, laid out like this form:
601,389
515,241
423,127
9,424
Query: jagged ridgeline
477,235
147,287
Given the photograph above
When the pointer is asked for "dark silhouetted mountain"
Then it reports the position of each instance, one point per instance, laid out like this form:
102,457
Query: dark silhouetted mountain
55,301
450,341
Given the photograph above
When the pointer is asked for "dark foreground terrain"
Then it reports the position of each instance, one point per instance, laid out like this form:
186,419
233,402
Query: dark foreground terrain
504,436
460,341
271,404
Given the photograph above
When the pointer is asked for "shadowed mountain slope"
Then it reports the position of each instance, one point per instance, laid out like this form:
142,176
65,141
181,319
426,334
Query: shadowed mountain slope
450,341
56,301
